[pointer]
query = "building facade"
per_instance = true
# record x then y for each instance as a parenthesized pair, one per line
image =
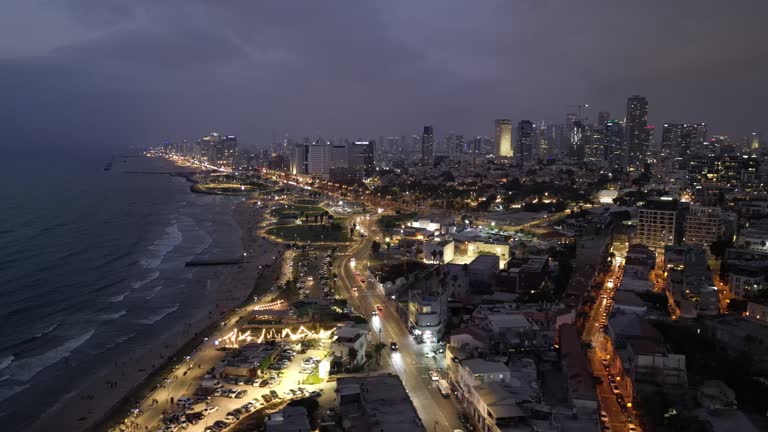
(503, 143)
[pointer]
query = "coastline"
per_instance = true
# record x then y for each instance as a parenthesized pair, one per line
(97, 405)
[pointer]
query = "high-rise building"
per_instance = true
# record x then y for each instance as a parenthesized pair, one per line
(614, 150)
(504, 138)
(603, 117)
(657, 223)
(458, 142)
(319, 160)
(362, 157)
(545, 140)
(311, 159)
(428, 146)
(671, 139)
(636, 130)
(524, 139)
(577, 139)
(339, 156)
(594, 141)
(703, 225)
(568, 144)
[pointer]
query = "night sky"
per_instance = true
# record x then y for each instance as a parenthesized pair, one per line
(116, 72)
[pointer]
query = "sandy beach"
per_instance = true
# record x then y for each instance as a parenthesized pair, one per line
(117, 389)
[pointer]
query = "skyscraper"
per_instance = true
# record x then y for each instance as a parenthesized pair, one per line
(361, 157)
(613, 144)
(428, 146)
(504, 138)
(524, 141)
(636, 129)
(603, 117)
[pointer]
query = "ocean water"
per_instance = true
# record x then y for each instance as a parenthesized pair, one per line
(92, 267)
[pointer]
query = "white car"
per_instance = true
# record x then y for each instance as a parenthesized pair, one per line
(429, 354)
(209, 409)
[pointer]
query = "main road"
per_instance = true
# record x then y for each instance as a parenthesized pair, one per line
(409, 361)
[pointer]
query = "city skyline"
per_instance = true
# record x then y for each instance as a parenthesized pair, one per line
(150, 72)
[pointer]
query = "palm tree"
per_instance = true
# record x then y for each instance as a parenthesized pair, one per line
(377, 349)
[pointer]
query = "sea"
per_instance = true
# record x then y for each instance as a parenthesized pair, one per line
(92, 266)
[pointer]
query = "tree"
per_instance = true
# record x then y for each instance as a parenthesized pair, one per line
(718, 247)
(377, 349)
(375, 246)
(434, 254)
(352, 356)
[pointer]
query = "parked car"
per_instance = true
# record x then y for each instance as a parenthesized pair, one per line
(267, 398)
(209, 410)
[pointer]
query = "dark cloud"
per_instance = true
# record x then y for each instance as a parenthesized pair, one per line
(262, 69)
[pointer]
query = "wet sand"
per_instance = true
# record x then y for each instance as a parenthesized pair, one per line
(115, 389)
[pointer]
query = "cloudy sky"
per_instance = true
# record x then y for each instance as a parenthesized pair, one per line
(141, 71)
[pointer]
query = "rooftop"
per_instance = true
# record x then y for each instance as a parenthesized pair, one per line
(377, 403)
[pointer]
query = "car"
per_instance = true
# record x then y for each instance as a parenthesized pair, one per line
(234, 414)
(315, 394)
(603, 416)
(331, 412)
(631, 428)
(615, 388)
(429, 354)
(223, 423)
(354, 289)
(274, 394)
(374, 313)
(267, 398)
(209, 410)
(379, 308)
(434, 375)
(263, 383)
(362, 280)
(440, 351)
(249, 381)
(393, 345)
(241, 394)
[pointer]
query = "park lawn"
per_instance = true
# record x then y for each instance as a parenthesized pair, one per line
(309, 210)
(307, 201)
(310, 232)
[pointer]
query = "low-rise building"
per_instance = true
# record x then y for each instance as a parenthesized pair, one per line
(350, 344)
(438, 251)
(580, 382)
(703, 225)
(754, 237)
(427, 313)
(376, 403)
(288, 419)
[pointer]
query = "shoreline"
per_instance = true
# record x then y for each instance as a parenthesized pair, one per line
(97, 405)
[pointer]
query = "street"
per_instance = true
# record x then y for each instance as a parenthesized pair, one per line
(409, 362)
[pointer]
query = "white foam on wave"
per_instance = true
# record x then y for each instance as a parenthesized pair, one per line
(119, 297)
(115, 315)
(6, 392)
(24, 369)
(154, 292)
(50, 328)
(152, 276)
(159, 315)
(167, 242)
(5, 361)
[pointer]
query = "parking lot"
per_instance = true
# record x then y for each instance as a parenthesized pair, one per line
(221, 401)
